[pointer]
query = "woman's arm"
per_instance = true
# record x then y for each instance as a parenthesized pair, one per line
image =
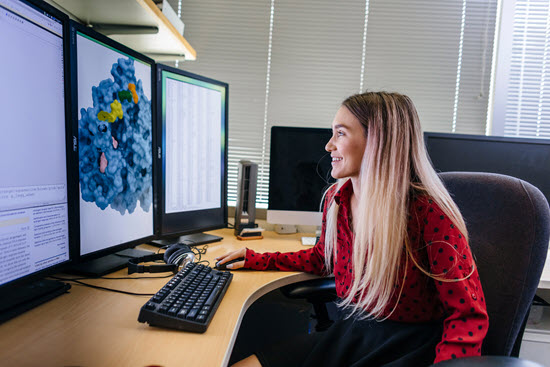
(310, 261)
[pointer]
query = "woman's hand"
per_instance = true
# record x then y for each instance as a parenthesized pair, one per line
(238, 254)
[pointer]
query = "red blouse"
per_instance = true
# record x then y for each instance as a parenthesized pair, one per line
(439, 248)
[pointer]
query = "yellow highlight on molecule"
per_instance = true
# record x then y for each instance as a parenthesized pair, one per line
(116, 111)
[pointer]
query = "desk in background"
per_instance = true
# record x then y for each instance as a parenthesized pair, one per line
(90, 327)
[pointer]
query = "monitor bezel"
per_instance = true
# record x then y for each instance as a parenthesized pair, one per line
(167, 223)
(504, 139)
(72, 181)
(487, 138)
(79, 28)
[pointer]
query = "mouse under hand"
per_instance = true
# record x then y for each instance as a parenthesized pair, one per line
(228, 265)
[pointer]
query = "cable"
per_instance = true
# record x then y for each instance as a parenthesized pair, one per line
(105, 288)
(114, 278)
(198, 252)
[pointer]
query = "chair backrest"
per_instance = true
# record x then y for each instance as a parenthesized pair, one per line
(508, 223)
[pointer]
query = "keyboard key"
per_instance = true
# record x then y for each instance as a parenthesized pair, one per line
(183, 312)
(191, 315)
(213, 296)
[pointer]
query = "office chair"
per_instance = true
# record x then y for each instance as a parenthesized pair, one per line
(508, 222)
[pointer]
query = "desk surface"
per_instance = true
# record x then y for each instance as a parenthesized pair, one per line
(90, 327)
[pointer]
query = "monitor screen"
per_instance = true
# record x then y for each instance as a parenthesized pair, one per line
(193, 141)
(115, 141)
(299, 174)
(527, 159)
(34, 186)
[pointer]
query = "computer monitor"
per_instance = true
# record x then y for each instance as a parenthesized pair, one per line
(524, 158)
(113, 121)
(192, 156)
(35, 185)
(299, 174)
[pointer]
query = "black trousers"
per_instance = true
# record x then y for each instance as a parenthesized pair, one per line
(359, 343)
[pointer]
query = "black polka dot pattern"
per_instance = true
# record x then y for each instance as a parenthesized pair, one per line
(439, 248)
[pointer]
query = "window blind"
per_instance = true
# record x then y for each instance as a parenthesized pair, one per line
(438, 53)
(476, 61)
(291, 63)
(315, 65)
(522, 96)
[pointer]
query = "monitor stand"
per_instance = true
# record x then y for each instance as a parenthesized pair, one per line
(108, 264)
(23, 298)
(194, 239)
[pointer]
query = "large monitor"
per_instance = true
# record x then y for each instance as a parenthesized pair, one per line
(35, 184)
(524, 158)
(192, 156)
(112, 89)
(299, 174)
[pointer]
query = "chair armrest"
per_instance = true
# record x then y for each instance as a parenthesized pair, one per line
(487, 361)
(314, 290)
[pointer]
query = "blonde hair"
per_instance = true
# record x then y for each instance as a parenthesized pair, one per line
(394, 165)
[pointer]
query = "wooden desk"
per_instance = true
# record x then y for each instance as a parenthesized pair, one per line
(89, 327)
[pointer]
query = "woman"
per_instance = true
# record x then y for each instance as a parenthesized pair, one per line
(396, 244)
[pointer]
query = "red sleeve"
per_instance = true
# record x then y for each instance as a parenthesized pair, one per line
(311, 260)
(466, 321)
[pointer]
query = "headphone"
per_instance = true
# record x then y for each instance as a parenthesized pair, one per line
(175, 257)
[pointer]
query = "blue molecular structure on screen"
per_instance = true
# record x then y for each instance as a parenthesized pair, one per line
(116, 143)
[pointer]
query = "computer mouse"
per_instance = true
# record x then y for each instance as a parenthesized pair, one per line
(224, 265)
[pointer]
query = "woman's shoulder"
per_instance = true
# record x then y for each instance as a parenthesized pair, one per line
(329, 194)
(421, 200)
(333, 190)
(425, 205)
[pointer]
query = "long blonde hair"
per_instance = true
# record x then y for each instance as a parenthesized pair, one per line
(394, 165)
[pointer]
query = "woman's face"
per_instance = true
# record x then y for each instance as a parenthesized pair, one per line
(347, 145)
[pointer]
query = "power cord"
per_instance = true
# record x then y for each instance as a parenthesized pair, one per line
(105, 288)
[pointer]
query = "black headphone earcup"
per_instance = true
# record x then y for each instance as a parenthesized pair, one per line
(169, 251)
(175, 254)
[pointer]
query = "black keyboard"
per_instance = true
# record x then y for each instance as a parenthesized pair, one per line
(189, 300)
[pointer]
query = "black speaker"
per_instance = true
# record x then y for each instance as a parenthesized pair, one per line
(245, 208)
(175, 257)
